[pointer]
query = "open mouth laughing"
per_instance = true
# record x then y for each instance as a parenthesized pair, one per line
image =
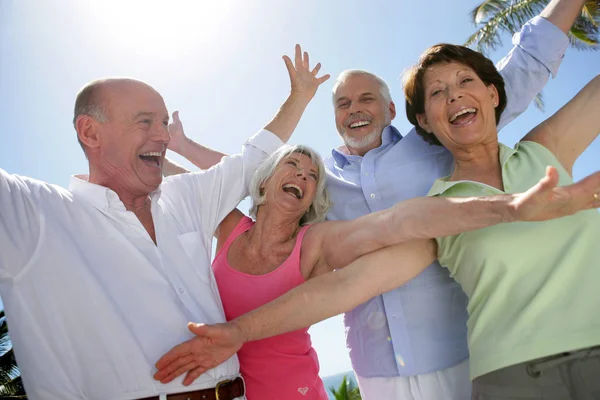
(463, 116)
(151, 158)
(293, 190)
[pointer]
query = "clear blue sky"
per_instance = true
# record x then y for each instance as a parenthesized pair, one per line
(219, 63)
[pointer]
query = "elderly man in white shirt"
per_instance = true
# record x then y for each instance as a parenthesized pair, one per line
(100, 280)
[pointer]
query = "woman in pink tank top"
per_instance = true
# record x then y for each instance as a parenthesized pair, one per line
(287, 244)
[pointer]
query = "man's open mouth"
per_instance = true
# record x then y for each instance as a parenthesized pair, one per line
(151, 158)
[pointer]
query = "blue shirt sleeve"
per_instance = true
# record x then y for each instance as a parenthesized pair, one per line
(538, 52)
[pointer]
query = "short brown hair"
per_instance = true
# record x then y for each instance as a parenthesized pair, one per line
(414, 92)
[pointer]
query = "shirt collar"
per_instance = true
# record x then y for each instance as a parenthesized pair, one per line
(442, 184)
(99, 196)
(390, 134)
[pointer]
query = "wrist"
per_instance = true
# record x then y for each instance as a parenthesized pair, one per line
(300, 98)
(241, 333)
(509, 208)
(182, 147)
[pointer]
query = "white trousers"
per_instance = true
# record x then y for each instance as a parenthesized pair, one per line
(449, 384)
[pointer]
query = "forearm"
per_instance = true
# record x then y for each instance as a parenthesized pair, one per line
(170, 167)
(563, 13)
(432, 217)
(201, 156)
(288, 116)
(339, 291)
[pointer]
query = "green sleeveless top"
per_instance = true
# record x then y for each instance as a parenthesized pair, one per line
(533, 287)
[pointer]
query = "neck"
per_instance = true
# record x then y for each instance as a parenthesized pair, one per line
(134, 201)
(272, 229)
(478, 163)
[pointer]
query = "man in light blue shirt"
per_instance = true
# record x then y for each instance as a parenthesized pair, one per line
(411, 343)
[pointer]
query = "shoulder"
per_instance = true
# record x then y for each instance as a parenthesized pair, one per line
(228, 225)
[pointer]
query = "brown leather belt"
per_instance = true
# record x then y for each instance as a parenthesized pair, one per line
(225, 390)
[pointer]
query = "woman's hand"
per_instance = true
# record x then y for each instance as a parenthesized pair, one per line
(213, 345)
(304, 81)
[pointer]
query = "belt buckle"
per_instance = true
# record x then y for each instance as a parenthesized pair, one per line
(222, 383)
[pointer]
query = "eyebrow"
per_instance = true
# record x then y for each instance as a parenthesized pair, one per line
(298, 161)
(361, 95)
(457, 73)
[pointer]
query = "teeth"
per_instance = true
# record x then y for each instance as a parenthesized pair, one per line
(291, 185)
(359, 123)
(461, 112)
(151, 154)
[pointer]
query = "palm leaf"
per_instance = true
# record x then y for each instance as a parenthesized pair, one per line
(13, 389)
(500, 16)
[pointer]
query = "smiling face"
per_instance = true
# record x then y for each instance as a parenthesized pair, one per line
(293, 185)
(127, 150)
(361, 112)
(459, 106)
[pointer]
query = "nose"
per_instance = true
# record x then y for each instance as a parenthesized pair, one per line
(160, 133)
(454, 94)
(301, 173)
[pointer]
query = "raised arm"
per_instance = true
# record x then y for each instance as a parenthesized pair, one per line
(573, 128)
(201, 156)
(304, 84)
(313, 301)
(538, 52)
(430, 217)
(215, 192)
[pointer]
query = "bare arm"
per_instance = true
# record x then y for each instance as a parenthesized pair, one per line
(573, 128)
(430, 217)
(563, 13)
(313, 301)
(201, 156)
(304, 85)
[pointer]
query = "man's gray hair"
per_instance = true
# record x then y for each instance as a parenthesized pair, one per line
(89, 102)
(320, 205)
(383, 87)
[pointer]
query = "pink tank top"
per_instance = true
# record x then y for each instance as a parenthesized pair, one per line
(280, 367)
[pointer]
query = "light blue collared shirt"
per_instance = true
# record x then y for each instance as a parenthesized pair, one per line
(421, 327)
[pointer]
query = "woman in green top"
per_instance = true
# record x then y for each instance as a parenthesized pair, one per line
(533, 288)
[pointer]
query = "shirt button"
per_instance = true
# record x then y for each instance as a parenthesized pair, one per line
(366, 174)
(372, 195)
(181, 290)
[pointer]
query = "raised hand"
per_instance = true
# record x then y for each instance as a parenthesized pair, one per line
(177, 135)
(212, 345)
(304, 81)
(545, 200)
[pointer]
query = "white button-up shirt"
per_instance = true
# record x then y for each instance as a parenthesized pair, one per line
(92, 303)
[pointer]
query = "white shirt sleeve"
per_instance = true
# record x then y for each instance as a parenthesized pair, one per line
(538, 51)
(20, 222)
(214, 193)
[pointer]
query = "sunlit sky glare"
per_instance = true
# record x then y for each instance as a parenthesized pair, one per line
(219, 63)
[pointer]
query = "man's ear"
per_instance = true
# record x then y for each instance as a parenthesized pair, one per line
(422, 119)
(87, 131)
(392, 109)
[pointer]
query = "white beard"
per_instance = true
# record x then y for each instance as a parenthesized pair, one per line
(366, 141)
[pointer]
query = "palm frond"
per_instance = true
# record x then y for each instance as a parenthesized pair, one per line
(591, 12)
(538, 101)
(584, 34)
(509, 19)
(486, 10)
(13, 389)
